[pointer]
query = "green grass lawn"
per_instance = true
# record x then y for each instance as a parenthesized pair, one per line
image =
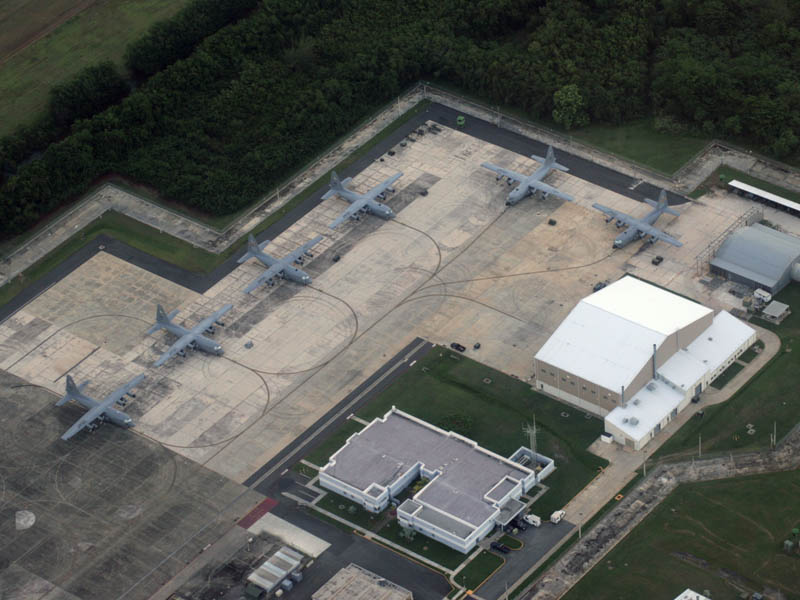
(638, 141)
(479, 570)
(722, 380)
(424, 546)
(354, 513)
(767, 400)
(495, 414)
(751, 352)
(511, 542)
(304, 470)
(320, 455)
(100, 32)
(701, 532)
(724, 174)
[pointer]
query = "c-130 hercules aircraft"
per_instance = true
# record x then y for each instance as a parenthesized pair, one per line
(99, 412)
(278, 267)
(639, 228)
(188, 338)
(361, 203)
(529, 184)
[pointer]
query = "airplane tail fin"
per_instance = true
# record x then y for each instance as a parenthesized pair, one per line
(662, 204)
(162, 319)
(550, 160)
(72, 392)
(336, 183)
(252, 249)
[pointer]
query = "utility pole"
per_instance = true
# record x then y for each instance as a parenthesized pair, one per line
(531, 431)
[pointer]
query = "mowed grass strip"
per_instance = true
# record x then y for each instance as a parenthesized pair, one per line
(704, 536)
(725, 377)
(452, 390)
(442, 555)
(479, 570)
(768, 400)
(100, 32)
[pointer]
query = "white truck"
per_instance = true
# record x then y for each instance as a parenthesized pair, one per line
(557, 516)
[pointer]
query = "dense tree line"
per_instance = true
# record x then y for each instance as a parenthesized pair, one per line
(231, 116)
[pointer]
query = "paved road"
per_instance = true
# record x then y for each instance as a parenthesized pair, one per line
(537, 542)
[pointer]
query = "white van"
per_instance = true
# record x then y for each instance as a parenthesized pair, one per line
(532, 519)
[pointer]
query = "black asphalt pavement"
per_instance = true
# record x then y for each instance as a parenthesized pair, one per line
(537, 542)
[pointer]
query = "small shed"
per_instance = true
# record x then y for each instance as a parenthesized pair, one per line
(776, 311)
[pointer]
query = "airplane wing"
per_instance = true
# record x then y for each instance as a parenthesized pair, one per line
(549, 189)
(82, 422)
(658, 234)
(208, 321)
(621, 216)
(382, 187)
(264, 277)
(504, 172)
(118, 393)
(298, 252)
(349, 212)
(175, 348)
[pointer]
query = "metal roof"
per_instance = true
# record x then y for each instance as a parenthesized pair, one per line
(608, 337)
(764, 194)
(758, 253)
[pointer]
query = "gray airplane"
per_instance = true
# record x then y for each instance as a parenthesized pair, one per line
(188, 338)
(361, 203)
(278, 267)
(529, 184)
(99, 412)
(638, 228)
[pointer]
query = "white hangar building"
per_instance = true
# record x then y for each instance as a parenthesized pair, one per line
(637, 354)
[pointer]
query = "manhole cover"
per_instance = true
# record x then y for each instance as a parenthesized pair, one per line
(565, 414)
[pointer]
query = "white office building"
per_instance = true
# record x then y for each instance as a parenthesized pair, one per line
(470, 489)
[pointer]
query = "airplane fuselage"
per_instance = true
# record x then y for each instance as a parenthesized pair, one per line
(112, 415)
(632, 234)
(523, 190)
(201, 342)
(371, 206)
(289, 271)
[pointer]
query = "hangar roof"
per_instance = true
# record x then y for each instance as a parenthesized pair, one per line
(758, 253)
(609, 336)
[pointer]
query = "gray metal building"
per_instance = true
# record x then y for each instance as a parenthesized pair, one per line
(760, 257)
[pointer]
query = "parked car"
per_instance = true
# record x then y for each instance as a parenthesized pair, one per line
(599, 286)
(520, 524)
(657, 260)
(457, 346)
(500, 547)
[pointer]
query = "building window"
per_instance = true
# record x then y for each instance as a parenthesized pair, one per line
(563, 378)
(552, 374)
(594, 391)
(584, 387)
(572, 383)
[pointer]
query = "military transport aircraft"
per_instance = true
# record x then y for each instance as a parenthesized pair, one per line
(278, 267)
(361, 203)
(99, 412)
(188, 338)
(529, 184)
(638, 228)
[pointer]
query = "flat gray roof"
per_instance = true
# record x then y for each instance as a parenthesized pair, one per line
(385, 450)
(775, 309)
(758, 253)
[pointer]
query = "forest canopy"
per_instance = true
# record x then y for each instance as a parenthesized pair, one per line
(230, 110)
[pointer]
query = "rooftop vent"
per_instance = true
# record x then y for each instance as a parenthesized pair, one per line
(634, 421)
(651, 386)
(636, 402)
(625, 420)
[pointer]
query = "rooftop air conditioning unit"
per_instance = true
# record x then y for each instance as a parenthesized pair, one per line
(636, 402)
(634, 421)
(651, 386)
(625, 420)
